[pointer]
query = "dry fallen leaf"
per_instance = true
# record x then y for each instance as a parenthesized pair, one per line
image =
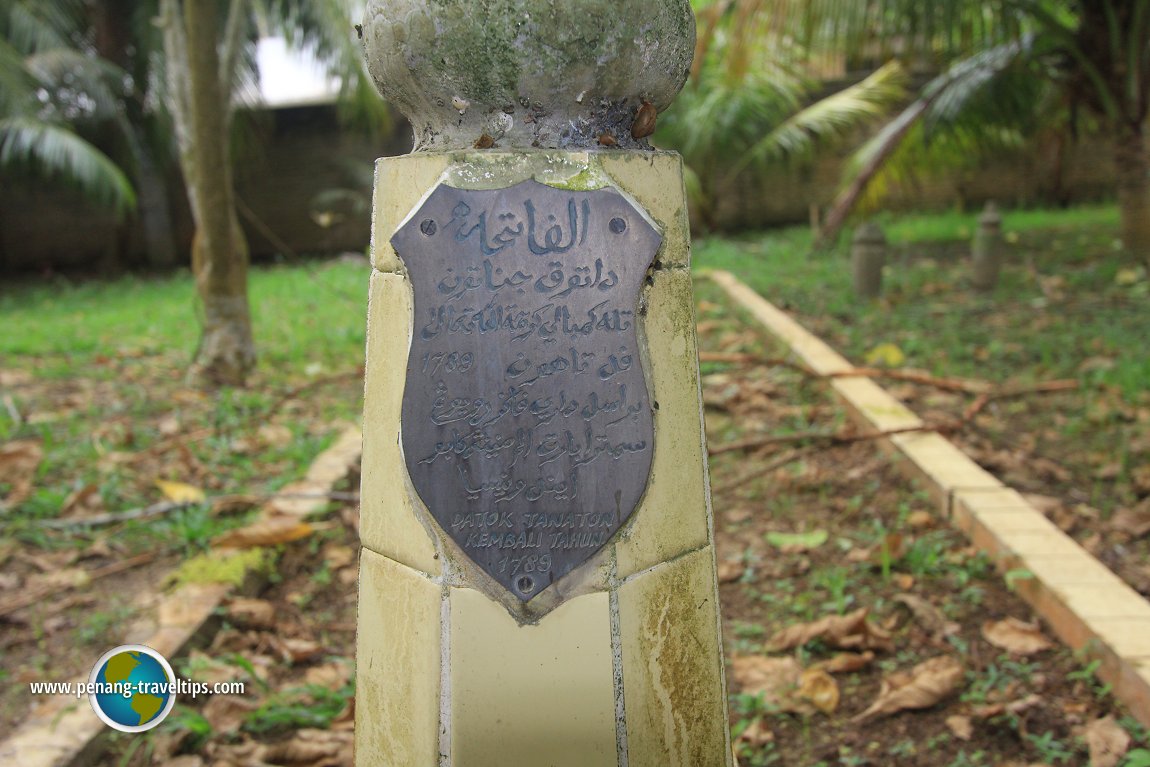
(187, 760)
(960, 727)
(1015, 636)
(82, 502)
(846, 662)
(757, 734)
(226, 713)
(252, 613)
(848, 632)
(773, 678)
(208, 670)
(1107, 742)
(19, 460)
(784, 685)
(920, 519)
(730, 570)
(234, 504)
(928, 616)
(988, 710)
(315, 748)
(180, 492)
(337, 556)
(929, 682)
(820, 688)
(1135, 521)
(332, 675)
(266, 532)
(299, 650)
(275, 435)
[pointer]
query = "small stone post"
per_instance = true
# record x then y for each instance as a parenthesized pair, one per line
(537, 581)
(868, 256)
(986, 250)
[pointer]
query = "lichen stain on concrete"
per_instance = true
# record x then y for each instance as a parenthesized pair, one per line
(395, 722)
(545, 73)
(680, 682)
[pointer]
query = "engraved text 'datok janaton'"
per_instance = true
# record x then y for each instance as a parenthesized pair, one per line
(527, 427)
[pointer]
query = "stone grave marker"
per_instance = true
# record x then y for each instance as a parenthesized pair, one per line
(537, 581)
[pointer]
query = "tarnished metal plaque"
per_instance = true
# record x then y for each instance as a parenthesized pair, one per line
(527, 426)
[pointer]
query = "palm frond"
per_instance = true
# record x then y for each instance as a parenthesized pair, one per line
(100, 84)
(832, 116)
(56, 150)
(36, 26)
(945, 103)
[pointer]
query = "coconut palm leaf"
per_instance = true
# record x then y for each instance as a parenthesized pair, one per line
(832, 116)
(56, 149)
(964, 104)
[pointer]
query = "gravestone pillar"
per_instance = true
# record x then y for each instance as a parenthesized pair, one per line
(986, 250)
(537, 582)
(868, 257)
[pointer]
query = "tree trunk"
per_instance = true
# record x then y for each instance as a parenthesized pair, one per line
(1133, 174)
(219, 254)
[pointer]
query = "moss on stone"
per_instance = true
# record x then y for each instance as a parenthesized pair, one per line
(224, 566)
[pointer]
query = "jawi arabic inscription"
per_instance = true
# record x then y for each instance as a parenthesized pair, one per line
(527, 425)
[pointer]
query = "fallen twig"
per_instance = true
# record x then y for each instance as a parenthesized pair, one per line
(848, 438)
(13, 411)
(726, 487)
(946, 384)
(34, 595)
(825, 439)
(166, 507)
(291, 394)
(963, 385)
(155, 510)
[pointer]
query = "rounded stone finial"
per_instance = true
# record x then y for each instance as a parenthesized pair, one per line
(556, 74)
(869, 233)
(990, 218)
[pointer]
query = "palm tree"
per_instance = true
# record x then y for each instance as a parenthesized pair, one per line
(750, 100)
(66, 62)
(49, 85)
(206, 45)
(1095, 52)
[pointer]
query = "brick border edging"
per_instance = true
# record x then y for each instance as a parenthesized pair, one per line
(62, 730)
(1088, 607)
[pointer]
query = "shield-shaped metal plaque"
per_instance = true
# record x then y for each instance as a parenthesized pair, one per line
(526, 423)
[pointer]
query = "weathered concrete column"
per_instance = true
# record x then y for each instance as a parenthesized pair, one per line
(986, 250)
(537, 582)
(868, 257)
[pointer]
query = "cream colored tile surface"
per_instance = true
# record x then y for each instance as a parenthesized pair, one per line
(531, 695)
(1089, 601)
(397, 666)
(388, 523)
(400, 183)
(1128, 637)
(943, 463)
(655, 181)
(672, 666)
(881, 410)
(672, 517)
(820, 357)
(1073, 569)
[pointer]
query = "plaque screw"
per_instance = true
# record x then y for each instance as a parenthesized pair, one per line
(428, 227)
(526, 584)
(618, 225)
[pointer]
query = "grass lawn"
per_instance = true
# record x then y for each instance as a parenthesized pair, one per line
(1069, 305)
(91, 382)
